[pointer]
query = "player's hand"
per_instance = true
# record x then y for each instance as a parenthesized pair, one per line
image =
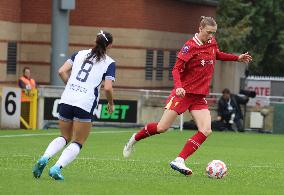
(110, 107)
(180, 92)
(218, 118)
(245, 58)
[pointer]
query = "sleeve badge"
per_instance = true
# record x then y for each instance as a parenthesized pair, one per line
(185, 49)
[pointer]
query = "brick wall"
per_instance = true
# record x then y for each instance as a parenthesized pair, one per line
(10, 10)
(37, 11)
(137, 25)
(165, 15)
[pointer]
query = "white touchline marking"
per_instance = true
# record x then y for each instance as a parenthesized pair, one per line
(47, 134)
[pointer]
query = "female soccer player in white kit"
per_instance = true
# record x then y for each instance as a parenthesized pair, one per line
(78, 102)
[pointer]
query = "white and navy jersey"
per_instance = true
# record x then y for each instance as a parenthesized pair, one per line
(83, 87)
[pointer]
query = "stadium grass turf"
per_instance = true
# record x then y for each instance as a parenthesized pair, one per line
(255, 164)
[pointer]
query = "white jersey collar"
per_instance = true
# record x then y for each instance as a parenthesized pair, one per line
(197, 40)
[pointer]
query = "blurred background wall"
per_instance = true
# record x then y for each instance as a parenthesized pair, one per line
(147, 35)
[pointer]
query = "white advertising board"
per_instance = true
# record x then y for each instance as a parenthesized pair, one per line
(262, 89)
(10, 108)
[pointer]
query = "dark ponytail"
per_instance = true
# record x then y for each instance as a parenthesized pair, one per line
(102, 41)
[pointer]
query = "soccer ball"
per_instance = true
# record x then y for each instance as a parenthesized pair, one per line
(216, 169)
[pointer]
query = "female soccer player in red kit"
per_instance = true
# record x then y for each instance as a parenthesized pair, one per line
(192, 74)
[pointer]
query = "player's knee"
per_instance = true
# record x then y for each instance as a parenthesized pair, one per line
(162, 128)
(206, 132)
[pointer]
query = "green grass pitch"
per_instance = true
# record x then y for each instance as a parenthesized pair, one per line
(255, 164)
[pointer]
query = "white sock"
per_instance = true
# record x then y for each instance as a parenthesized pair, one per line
(68, 155)
(56, 145)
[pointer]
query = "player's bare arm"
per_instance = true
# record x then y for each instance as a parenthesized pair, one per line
(64, 71)
(109, 95)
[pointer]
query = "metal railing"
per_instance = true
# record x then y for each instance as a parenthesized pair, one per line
(158, 97)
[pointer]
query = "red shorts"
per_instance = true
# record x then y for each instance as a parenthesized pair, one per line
(188, 102)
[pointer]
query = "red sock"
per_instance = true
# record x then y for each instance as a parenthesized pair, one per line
(192, 145)
(149, 130)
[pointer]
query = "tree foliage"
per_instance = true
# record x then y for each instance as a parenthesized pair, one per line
(256, 26)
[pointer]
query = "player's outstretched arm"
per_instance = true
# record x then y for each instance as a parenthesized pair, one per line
(245, 58)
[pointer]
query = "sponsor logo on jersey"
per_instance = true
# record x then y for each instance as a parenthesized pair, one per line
(202, 62)
(206, 62)
(78, 88)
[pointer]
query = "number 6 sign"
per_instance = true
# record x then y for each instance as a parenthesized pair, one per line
(10, 108)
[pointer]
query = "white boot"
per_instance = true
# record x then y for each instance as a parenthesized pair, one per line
(178, 165)
(128, 148)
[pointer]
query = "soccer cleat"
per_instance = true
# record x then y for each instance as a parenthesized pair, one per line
(178, 165)
(39, 166)
(128, 148)
(55, 173)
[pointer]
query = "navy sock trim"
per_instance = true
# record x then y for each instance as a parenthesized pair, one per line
(65, 140)
(80, 145)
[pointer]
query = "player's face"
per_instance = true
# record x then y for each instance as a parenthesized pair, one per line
(206, 33)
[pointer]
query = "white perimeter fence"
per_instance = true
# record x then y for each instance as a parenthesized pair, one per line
(150, 105)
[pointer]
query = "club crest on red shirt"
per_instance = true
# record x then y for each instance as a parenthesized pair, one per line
(185, 49)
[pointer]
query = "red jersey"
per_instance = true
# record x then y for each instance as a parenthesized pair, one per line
(194, 67)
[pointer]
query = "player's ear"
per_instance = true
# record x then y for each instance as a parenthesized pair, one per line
(200, 28)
